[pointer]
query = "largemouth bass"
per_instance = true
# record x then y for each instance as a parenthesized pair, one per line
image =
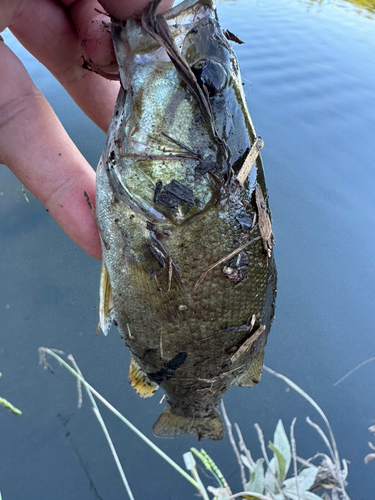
(188, 270)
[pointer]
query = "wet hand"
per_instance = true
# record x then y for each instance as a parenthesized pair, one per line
(65, 36)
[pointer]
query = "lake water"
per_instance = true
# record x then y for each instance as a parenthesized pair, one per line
(309, 72)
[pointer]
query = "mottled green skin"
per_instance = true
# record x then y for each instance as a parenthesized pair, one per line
(154, 325)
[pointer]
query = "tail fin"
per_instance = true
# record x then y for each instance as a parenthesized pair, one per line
(169, 425)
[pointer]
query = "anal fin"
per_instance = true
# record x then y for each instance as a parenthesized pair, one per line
(253, 374)
(140, 382)
(169, 425)
(106, 312)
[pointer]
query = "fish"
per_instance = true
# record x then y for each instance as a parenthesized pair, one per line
(188, 273)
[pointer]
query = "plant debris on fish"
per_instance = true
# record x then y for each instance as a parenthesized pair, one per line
(188, 269)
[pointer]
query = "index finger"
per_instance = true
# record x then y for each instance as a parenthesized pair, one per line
(127, 8)
(35, 146)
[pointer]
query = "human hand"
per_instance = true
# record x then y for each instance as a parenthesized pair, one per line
(33, 143)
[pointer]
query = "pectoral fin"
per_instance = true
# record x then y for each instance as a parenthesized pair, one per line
(169, 425)
(140, 382)
(253, 374)
(106, 312)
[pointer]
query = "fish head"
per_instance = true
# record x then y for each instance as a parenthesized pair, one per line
(184, 110)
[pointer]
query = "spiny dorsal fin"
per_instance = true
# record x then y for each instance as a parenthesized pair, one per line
(169, 425)
(106, 312)
(140, 382)
(253, 374)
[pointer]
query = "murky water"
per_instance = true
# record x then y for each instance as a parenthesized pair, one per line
(309, 72)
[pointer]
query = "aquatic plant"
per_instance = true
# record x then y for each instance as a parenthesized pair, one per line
(55, 354)
(371, 456)
(6, 404)
(10, 407)
(262, 479)
(273, 483)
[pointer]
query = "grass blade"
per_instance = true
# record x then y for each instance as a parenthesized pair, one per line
(354, 370)
(190, 464)
(228, 425)
(160, 452)
(262, 443)
(320, 431)
(301, 392)
(243, 446)
(294, 453)
(10, 407)
(308, 398)
(103, 426)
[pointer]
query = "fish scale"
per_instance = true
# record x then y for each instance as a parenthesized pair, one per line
(193, 303)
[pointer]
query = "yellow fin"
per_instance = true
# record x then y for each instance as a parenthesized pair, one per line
(169, 425)
(140, 382)
(106, 312)
(253, 374)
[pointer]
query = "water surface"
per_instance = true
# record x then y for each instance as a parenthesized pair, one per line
(309, 73)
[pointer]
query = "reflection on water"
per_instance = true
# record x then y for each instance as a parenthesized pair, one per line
(363, 5)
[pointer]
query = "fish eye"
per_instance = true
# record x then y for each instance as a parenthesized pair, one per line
(210, 73)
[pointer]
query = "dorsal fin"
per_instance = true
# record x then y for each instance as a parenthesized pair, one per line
(169, 425)
(253, 374)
